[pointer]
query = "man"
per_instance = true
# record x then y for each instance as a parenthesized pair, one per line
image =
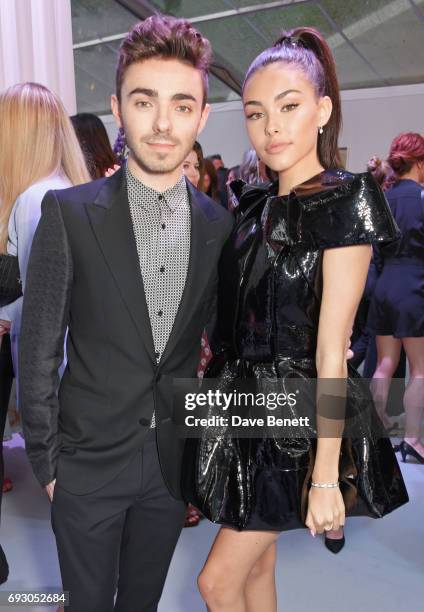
(129, 265)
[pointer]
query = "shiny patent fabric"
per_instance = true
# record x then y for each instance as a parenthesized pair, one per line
(268, 313)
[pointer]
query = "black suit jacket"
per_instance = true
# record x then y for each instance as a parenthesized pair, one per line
(84, 275)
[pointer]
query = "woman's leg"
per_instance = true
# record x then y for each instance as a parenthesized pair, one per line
(388, 354)
(239, 573)
(261, 593)
(413, 399)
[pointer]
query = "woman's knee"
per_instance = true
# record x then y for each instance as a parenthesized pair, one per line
(218, 588)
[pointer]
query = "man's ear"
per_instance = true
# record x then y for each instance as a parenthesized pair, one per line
(114, 103)
(204, 118)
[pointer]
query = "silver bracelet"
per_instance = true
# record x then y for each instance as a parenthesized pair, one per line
(325, 485)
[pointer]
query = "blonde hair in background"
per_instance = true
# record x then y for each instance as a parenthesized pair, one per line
(36, 140)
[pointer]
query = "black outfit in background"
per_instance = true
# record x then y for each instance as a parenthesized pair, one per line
(6, 379)
(365, 349)
(117, 495)
(222, 174)
(268, 314)
(397, 308)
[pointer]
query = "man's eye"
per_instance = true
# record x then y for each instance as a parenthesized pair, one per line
(184, 109)
(254, 116)
(142, 103)
(289, 107)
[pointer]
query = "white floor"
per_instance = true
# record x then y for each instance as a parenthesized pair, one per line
(380, 568)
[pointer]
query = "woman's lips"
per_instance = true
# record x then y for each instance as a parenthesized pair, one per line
(277, 147)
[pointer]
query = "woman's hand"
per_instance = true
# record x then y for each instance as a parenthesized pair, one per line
(326, 510)
(111, 171)
(4, 327)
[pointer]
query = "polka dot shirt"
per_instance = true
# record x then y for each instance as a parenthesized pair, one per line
(162, 226)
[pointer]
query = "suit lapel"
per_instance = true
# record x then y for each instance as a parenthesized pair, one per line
(112, 224)
(202, 244)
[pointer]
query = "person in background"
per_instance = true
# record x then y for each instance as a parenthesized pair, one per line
(6, 378)
(38, 152)
(193, 170)
(363, 341)
(95, 145)
(217, 161)
(222, 174)
(210, 181)
(46, 155)
(193, 166)
(233, 175)
(396, 314)
(252, 170)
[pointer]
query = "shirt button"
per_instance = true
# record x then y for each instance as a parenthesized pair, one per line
(162, 269)
(160, 198)
(157, 354)
(160, 313)
(163, 225)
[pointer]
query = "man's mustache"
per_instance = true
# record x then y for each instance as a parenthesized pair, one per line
(163, 140)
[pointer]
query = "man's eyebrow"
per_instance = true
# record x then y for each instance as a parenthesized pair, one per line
(153, 93)
(184, 96)
(278, 97)
(150, 93)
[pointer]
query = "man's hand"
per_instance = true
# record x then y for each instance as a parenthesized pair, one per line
(4, 327)
(50, 489)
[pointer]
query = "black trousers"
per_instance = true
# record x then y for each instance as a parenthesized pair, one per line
(120, 537)
(6, 379)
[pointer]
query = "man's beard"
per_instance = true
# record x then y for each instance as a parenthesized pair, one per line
(157, 162)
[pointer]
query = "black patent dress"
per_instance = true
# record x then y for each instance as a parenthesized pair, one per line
(268, 311)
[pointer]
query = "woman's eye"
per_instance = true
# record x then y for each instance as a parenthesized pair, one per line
(289, 107)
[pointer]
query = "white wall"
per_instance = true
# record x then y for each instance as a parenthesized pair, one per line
(371, 119)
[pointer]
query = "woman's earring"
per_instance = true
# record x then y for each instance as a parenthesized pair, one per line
(321, 129)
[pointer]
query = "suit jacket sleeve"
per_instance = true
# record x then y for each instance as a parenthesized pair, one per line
(44, 322)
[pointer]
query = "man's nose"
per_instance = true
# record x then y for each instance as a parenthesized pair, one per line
(162, 121)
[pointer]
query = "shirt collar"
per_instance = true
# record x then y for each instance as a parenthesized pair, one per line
(173, 196)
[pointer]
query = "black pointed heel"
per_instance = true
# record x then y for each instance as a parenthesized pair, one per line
(406, 449)
(334, 546)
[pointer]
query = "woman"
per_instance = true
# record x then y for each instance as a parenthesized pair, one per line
(38, 152)
(397, 309)
(193, 166)
(94, 142)
(291, 278)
